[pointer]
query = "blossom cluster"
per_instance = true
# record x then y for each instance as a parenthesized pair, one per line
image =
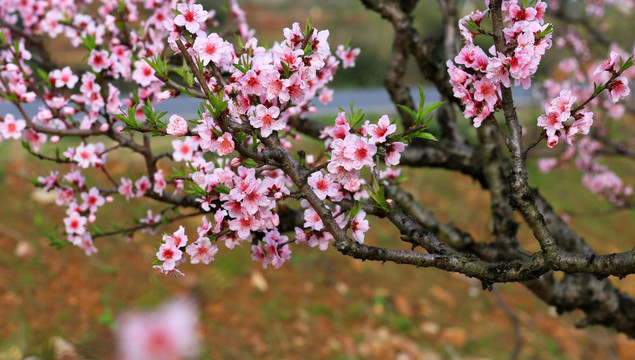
(557, 112)
(559, 109)
(585, 154)
(598, 178)
(261, 87)
(477, 77)
(264, 89)
(69, 189)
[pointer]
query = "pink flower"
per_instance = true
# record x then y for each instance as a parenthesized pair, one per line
(11, 128)
(326, 95)
(201, 251)
(581, 125)
(472, 57)
(88, 84)
(169, 254)
(88, 155)
(251, 83)
(190, 16)
(321, 240)
(551, 122)
(92, 200)
(359, 225)
(244, 226)
(276, 249)
(457, 75)
(607, 64)
(485, 90)
(557, 112)
(293, 89)
(159, 182)
(497, 70)
(516, 13)
(390, 174)
(258, 254)
(177, 126)
(480, 111)
(178, 238)
(290, 57)
(213, 48)
(562, 104)
(64, 77)
(265, 120)
(142, 185)
(311, 218)
(379, 132)
(223, 145)
(48, 182)
(51, 23)
(171, 332)
(125, 189)
(546, 164)
(144, 73)
(322, 185)
(152, 221)
(75, 224)
(619, 89)
(359, 152)
(86, 243)
(184, 150)
(347, 55)
(34, 139)
(393, 153)
(99, 60)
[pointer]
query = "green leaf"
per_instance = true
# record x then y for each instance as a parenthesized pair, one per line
(193, 188)
(222, 189)
(89, 42)
(355, 116)
(33, 180)
(377, 194)
(242, 68)
(56, 242)
(10, 97)
(627, 64)
(250, 163)
(43, 75)
(96, 230)
(430, 108)
(597, 89)
(148, 110)
(471, 25)
(422, 99)
(423, 135)
(548, 30)
(240, 137)
(129, 120)
(355, 209)
(308, 49)
(218, 104)
(408, 110)
(287, 73)
(307, 29)
(159, 65)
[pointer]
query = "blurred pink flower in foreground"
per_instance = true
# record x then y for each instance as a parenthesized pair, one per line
(169, 332)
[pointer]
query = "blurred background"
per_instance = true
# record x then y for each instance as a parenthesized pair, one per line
(318, 305)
